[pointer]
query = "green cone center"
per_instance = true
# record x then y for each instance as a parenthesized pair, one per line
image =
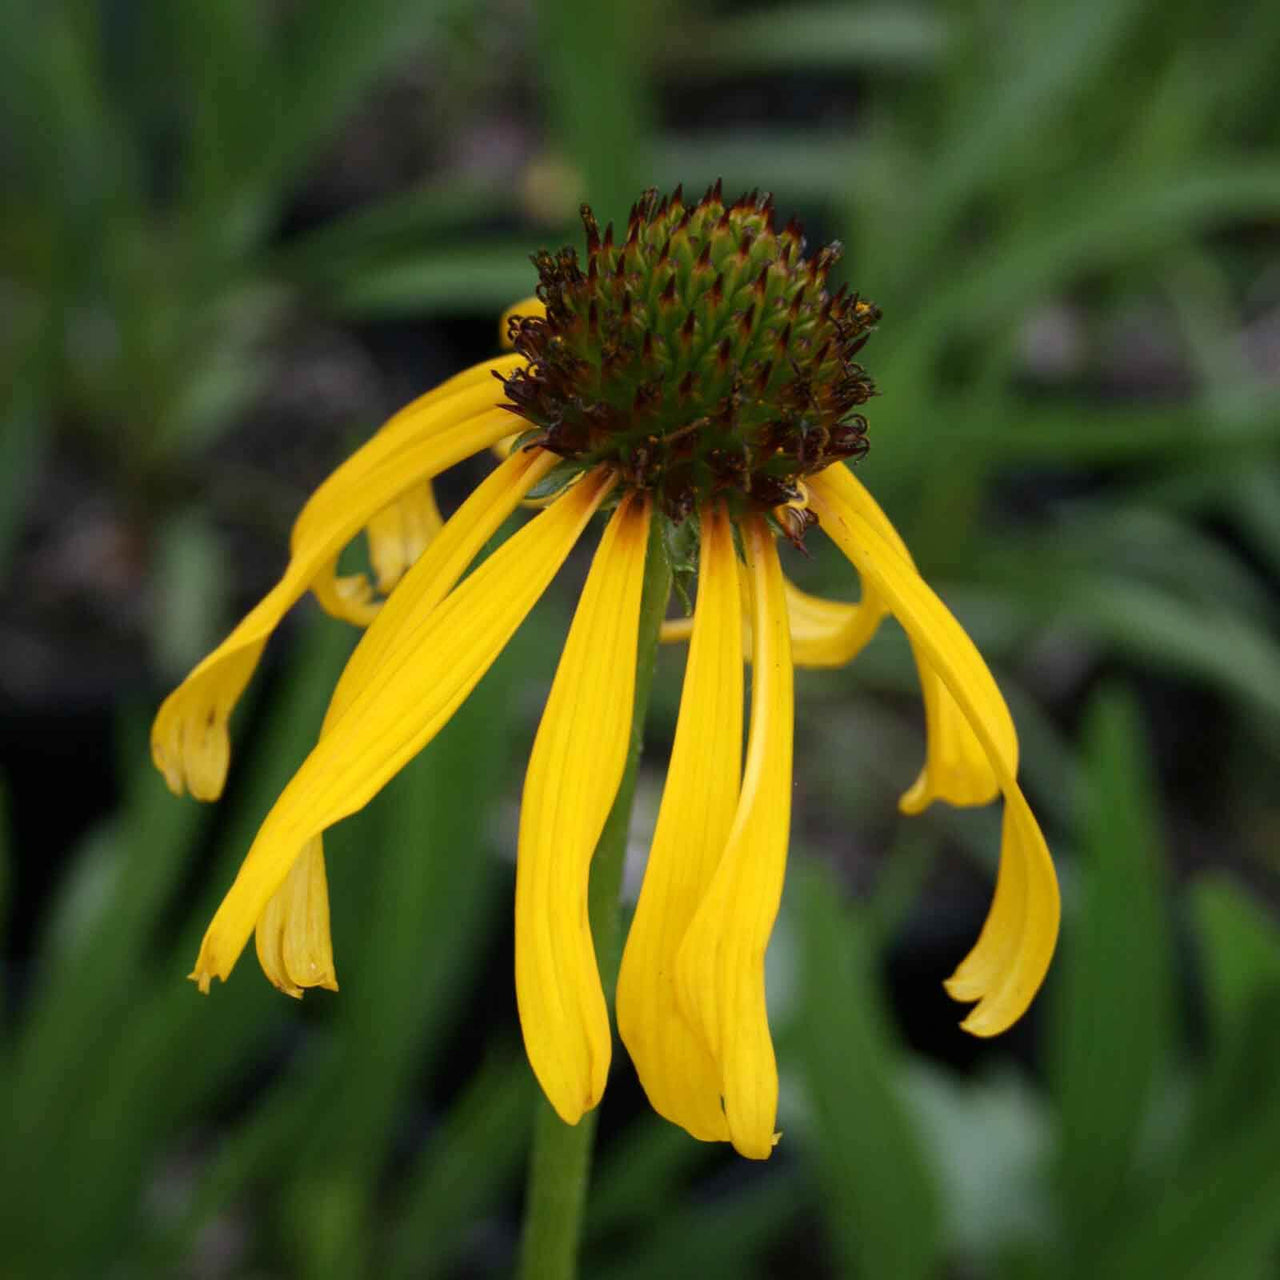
(703, 356)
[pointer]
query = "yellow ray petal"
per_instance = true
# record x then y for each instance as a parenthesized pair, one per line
(824, 633)
(189, 741)
(421, 676)
(1007, 965)
(675, 1067)
(437, 571)
(294, 947)
(474, 391)
(676, 630)
(956, 769)
(350, 598)
(399, 534)
(720, 964)
(574, 770)
(830, 633)
(434, 575)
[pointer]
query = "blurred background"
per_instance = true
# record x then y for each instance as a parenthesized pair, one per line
(234, 236)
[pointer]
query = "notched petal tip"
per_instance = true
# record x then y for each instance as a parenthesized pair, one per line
(212, 960)
(190, 742)
(292, 934)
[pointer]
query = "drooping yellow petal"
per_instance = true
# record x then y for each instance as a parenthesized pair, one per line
(574, 770)
(189, 741)
(824, 633)
(1007, 965)
(421, 675)
(956, 768)
(294, 947)
(414, 514)
(288, 913)
(699, 801)
(720, 964)
(473, 391)
(401, 438)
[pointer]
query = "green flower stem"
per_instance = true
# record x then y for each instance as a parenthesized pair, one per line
(561, 1161)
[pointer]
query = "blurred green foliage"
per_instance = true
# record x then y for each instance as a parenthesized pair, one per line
(1029, 190)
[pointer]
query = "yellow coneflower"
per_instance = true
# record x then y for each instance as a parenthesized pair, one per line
(700, 374)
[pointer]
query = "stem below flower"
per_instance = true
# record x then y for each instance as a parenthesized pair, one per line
(560, 1165)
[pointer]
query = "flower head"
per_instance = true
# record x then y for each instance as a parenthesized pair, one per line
(700, 374)
(701, 358)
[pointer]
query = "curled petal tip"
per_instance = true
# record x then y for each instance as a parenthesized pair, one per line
(190, 744)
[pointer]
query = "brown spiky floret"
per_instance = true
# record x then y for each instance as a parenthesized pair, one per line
(702, 356)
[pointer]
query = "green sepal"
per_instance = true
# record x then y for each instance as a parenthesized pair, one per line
(682, 540)
(556, 481)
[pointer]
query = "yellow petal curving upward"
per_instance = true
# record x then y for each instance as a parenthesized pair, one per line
(699, 801)
(1007, 965)
(420, 676)
(574, 770)
(720, 963)
(289, 914)
(189, 741)
(830, 633)
(824, 633)
(294, 947)
(397, 536)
